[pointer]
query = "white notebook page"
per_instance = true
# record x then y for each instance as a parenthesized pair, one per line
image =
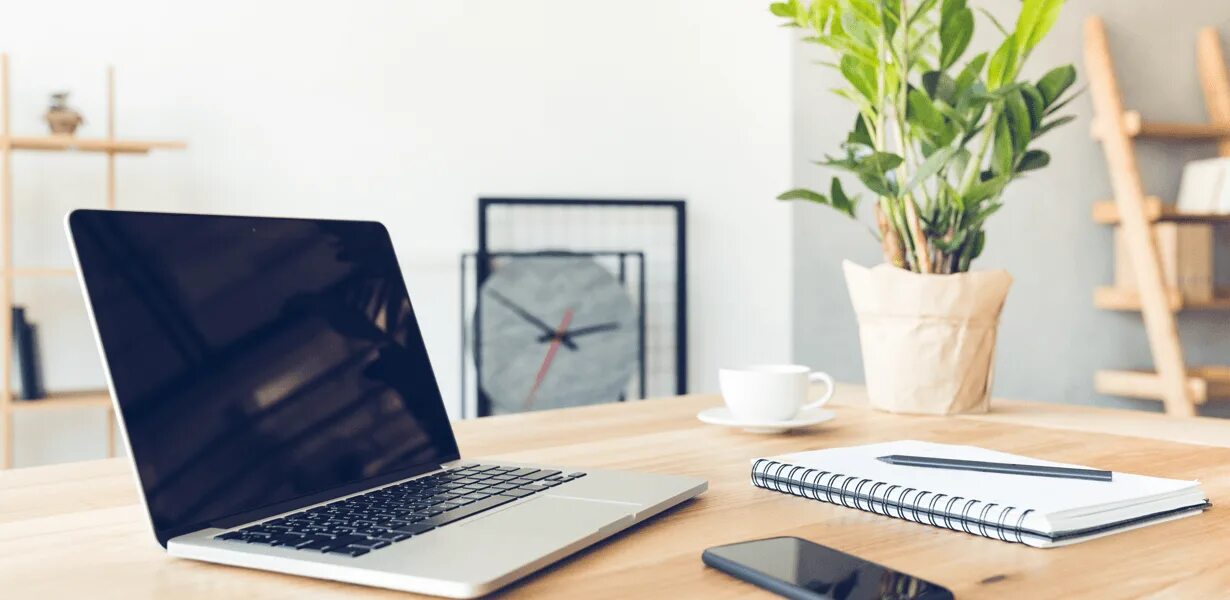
(1047, 495)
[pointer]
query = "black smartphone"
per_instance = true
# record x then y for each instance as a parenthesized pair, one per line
(796, 568)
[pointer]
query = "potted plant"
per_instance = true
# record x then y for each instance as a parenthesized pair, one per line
(937, 138)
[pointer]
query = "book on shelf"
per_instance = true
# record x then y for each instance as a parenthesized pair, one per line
(26, 356)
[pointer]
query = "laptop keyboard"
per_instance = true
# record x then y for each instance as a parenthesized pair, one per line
(359, 524)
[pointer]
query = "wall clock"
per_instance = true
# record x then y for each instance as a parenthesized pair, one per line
(555, 331)
(538, 258)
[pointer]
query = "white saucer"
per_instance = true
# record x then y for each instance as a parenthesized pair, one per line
(720, 415)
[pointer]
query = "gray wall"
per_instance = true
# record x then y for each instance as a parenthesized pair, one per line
(1051, 338)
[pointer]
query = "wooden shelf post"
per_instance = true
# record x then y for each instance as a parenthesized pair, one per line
(6, 264)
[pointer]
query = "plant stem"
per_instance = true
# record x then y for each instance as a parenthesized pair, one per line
(975, 163)
(922, 252)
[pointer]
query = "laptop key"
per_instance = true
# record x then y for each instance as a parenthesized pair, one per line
(467, 511)
(523, 472)
(532, 488)
(518, 493)
(232, 536)
(540, 475)
(414, 528)
(349, 551)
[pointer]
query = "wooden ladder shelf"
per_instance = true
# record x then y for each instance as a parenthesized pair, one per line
(1178, 386)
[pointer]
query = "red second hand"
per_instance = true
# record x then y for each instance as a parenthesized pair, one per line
(546, 363)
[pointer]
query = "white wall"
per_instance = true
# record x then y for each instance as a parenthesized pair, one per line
(406, 111)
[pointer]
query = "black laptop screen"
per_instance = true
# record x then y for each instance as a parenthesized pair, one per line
(258, 363)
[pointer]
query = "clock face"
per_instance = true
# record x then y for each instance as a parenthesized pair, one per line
(554, 331)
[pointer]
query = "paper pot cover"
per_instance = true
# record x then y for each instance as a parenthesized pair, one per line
(928, 341)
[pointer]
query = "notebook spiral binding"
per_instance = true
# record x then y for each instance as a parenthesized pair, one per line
(957, 513)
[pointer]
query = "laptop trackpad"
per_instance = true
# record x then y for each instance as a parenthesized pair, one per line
(548, 517)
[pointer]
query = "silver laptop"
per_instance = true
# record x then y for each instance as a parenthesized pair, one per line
(281, 413)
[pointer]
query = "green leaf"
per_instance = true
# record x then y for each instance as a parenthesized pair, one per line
(1034, 22)
(845, 45)
(1053, 124)
(1018, 120)
(1001, 150)
(860, 29)
(859, 76)
(980, 241)
(840, 200)
(818, 14)
(930, 167)
(940, 86)
(920, 112)
(803, 194)
(985, 189)
(859, 136)
(1002, 67)
(783, 9)
(881, 162)
(970, 73)
(955, 33)
(950, 245)
(1062, 103)
(889, 16)
(1053, 84)
(872, 170)
(994, 21)
(879, 184)
(923, 8)
(1034, 159)
(981, 216)
(1033, 100)
(952, 114)
(950, 8)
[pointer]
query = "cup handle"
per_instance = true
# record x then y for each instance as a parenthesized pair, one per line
(815, 376)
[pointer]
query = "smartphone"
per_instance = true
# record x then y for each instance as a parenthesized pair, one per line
(796, 568)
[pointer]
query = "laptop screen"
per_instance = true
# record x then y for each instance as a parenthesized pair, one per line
(259, 364)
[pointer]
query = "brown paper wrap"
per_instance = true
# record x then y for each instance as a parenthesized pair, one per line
(928, 340)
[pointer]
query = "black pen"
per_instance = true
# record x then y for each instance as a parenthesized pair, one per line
(993, 467)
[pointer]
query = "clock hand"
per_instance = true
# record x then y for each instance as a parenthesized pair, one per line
(573, 333)
(546, 363)
(525, 314)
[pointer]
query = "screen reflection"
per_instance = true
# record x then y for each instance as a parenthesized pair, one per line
(258, 361)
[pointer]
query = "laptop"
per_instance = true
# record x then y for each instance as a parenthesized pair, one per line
(281, 413)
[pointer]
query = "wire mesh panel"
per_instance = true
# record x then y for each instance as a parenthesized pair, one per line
(652, 231)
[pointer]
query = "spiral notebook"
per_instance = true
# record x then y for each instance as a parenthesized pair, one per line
(1039, 511)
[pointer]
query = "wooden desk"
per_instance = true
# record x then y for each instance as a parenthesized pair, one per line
(78, 531)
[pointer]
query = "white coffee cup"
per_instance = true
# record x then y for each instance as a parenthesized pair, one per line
(765, 393)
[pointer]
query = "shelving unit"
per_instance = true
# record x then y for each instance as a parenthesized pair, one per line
(1180, 387)
(9, 273)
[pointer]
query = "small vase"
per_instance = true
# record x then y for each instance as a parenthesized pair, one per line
(60, 118)
(928, 341)
(63, 122)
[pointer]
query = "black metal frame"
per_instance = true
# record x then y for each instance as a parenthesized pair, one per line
(681, 297)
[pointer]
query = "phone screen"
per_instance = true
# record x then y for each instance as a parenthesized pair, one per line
(815, 571)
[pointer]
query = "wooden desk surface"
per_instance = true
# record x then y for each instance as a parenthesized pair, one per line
(77, 530)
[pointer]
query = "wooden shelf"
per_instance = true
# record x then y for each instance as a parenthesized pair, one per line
(1114, 298)
(88, 398)
(61, 143)
(1106, 212)
(44, 272)
(1203, 383)
(1135, 126)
